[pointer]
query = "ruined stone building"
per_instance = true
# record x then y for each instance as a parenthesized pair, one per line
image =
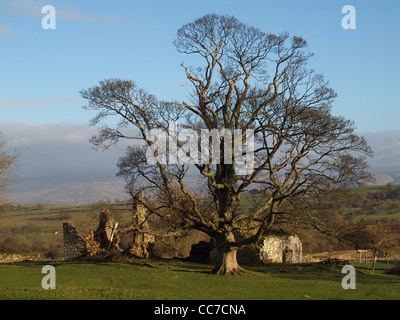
(107, 238)
(137, 241)
(104, 238)
(276, 247)
(281, 248)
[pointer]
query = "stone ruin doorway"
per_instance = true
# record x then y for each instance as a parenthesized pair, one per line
(287, 255)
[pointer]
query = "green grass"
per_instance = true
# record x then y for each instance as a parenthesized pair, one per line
(161, 280)
(360, 190)
(51, 216)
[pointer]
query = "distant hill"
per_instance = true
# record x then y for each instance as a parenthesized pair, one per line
(67, 190)
(77, 190)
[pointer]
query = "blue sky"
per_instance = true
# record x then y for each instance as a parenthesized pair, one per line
(42, 71)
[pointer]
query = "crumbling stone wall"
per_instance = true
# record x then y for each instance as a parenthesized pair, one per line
(106, 235)
(141, 238)
(74, 245)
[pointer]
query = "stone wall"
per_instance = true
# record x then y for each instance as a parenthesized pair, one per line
(142, 241)
(286, 248)
(274, 249)
(74, 245)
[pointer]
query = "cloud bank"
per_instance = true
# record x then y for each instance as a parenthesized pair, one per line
(64, 149)
(386, 147)
(40, 102)
(59, 150)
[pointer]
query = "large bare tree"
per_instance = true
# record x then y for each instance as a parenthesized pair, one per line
(242, 79)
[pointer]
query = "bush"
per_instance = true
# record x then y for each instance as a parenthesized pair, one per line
(54, 252)
(395, 270)
(48, 247)
(15, 244)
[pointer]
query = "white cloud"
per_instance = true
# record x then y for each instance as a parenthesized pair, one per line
(74, 15)
(40, 102)
(59, 150)
(386, 148)
(5, 31)
(64, 11)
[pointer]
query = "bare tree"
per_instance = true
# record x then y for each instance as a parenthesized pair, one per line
(7, 171)
(248, 80)
(378, 238)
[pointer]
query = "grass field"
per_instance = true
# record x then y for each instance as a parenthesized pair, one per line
(166, 280)
(177, 280)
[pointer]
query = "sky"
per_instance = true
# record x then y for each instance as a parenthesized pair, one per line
(43, 70)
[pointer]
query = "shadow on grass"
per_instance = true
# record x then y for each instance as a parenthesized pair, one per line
(305, 271)
(301, 271)
(194, 270)
(80, 261)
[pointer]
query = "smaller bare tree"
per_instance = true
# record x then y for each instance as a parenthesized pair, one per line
(8, 163)
(379, 238)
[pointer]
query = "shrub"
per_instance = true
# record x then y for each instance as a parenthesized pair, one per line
(55, 251)
(15, 244)
(395, 270)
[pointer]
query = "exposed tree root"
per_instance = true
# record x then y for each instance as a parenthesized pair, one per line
(228, 271)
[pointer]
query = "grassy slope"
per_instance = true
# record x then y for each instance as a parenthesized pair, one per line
(142, 280)
(385, 214)
(51, 217)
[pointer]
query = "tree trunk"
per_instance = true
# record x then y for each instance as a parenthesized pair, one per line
(226, 260)
(374, 262)
(227, 264)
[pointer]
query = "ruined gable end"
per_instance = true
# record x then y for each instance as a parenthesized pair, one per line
(74, 245)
